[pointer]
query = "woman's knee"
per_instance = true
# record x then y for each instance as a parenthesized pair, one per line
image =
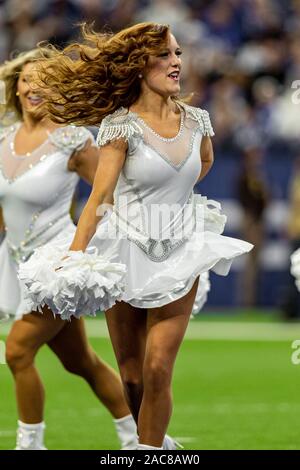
(82, 365)
(18, 355)
(131, 372)
(157, 375)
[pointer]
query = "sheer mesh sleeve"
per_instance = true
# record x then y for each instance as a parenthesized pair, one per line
(4, 131)
(201, 116)
(66, 140)
(71, 138)
(119, 125)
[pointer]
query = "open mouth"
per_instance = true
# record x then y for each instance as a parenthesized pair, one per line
(174, 75)
(34, 100)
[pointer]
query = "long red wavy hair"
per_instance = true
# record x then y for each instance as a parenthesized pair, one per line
(87, 81)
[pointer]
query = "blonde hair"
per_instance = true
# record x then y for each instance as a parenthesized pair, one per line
(89, 80)
(11, 109)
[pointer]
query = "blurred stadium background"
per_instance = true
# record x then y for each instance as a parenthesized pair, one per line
(242, 62)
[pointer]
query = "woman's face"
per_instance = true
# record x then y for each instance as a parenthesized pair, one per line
(30, 95)
(162, 74)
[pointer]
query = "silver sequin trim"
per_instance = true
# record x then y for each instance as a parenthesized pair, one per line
(167, 160)
(119, 125)
(18, 253)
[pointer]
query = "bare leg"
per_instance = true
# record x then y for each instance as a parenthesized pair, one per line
(127, 329)
(68, 340)
(25, 339)
(166, 328)
(146, 345)
(73, 350)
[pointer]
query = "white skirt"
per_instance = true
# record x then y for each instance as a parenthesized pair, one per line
(115, 268)
(13, 303)
(150, 284)
(10, 289)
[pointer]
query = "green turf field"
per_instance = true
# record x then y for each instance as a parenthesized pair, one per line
(234, 388)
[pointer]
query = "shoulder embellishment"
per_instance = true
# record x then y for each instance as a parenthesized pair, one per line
(70, 138)
(119, 125)
(201, 116)
(5, 131)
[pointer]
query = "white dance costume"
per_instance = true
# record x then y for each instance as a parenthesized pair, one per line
(161, 259)
(295, 267)
(36, 192)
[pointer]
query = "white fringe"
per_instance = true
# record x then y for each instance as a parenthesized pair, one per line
(202, 117)
(86, 283)
(119, 125)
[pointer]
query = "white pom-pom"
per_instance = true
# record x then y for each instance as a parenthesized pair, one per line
(209, 215)
(85, 283)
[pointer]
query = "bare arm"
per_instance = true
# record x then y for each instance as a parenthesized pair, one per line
(111, 161)
(206, 155)
(85, 162)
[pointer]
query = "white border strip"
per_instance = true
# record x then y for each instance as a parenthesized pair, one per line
(214, 330)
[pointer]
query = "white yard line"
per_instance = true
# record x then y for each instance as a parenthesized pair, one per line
(7, 433)
(230, 408)
(185, 439)
(217, 330)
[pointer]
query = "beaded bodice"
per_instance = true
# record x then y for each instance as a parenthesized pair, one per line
(156, 183)
(36, 189)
